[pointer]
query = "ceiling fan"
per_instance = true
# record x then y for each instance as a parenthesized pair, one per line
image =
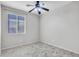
(39, 7)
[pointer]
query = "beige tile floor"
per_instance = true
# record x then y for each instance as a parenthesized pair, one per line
(37, 50)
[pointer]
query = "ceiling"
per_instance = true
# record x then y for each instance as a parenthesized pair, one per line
(51, 5)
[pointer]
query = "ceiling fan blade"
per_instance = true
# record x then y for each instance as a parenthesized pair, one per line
(29, 5)
(39, 12)
(31, 10)
(45, 9)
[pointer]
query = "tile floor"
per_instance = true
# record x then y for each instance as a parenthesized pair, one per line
(37, 50)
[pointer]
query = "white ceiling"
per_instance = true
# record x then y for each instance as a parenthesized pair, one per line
(51, 5)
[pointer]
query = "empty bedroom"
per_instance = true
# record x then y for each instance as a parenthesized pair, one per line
(39, 28)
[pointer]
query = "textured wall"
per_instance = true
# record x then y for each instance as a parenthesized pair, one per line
(61, 27)
(32, 29)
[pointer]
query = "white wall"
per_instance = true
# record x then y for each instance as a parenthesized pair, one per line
(0, 28)
(61, 27)
(13, 40)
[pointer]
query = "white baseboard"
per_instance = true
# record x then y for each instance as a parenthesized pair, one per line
(17, 45)
(60, 47)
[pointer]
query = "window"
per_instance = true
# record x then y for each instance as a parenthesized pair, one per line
(11, 23)
(20, 24)
(15, 24)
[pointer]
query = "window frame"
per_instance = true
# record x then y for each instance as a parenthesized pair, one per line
(17, 24)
